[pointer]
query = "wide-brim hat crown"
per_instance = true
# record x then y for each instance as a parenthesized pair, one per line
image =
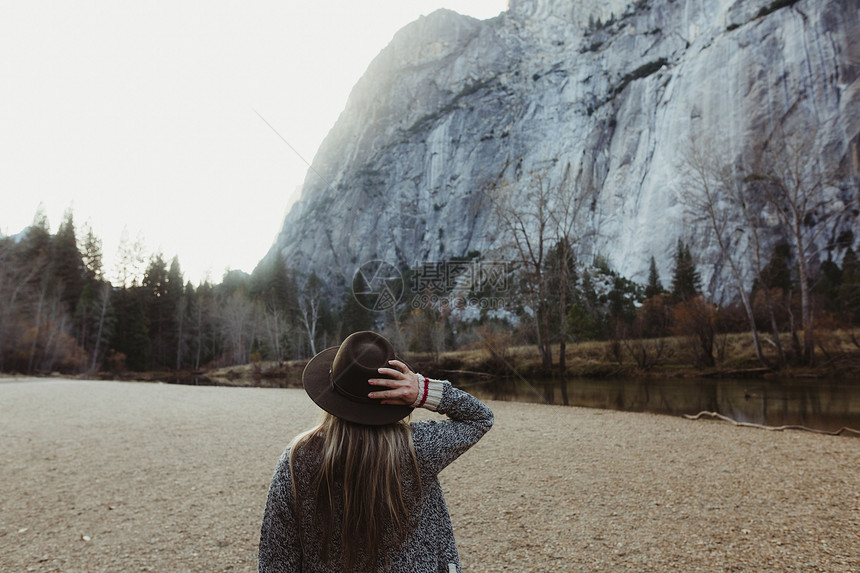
(336, 379)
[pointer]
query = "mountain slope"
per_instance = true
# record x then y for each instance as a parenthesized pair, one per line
(608, 91)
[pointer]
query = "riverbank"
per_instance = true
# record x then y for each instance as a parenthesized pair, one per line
(496, 361)
(113, 476)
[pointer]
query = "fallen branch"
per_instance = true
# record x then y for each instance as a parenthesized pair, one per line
(771, 428)
(469, 373)
(737, 373)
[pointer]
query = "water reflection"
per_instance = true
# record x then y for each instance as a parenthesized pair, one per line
(820, 404)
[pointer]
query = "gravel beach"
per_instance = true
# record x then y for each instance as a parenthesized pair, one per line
(122, 476)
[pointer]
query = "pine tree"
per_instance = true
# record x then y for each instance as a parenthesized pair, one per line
(37, 239)
(584, 319)
(622, 299)
(686, 280)
(777, 273)
(654, 286)
(174, 300)
(272, 283)
(92, 256)
(828, 285)
(159, 314)
(95, 320)
(131, 336)
(93, 312)
(66, 266)
(561, 277)
(232, 282)
(356, 309)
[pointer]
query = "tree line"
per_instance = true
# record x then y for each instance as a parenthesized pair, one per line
(783, 268)
(60, 312)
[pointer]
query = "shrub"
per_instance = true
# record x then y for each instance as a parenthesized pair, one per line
(496, 345)
(694, 320)
(115, 362)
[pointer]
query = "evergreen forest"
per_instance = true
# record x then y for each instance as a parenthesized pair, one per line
(60, 312)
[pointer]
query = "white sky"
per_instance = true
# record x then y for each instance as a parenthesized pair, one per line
(140, 116)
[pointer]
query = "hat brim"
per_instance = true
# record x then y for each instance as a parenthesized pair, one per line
(316, 380)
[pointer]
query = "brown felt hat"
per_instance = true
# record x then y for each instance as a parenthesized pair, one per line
(336, 380)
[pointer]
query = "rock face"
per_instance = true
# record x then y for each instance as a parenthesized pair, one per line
(611, 90)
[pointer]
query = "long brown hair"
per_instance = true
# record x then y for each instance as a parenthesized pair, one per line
(363, 468)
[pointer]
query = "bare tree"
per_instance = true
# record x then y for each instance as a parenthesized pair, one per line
(789, 172)
(425, 328)
(543, 226)
(525, 217)
(708, 195)
(437, 331)
(130, 261)
(202, 328)
(105, 297)
(310, 301)
(48, 339)
(756, 224)
(237, 323)
(17, 278)
(570, 230)
(276, 325)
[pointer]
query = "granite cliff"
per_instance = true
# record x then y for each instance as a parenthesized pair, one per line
(609, 90)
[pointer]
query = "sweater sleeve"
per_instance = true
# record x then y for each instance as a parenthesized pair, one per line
(280, 550)
(438, 443)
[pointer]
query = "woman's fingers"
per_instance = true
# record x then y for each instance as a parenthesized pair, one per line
(397, 395)
(401, 387)
(390, 387)
(395, 375)
(402, 367)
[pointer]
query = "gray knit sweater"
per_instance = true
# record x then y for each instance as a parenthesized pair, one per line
(429, 547)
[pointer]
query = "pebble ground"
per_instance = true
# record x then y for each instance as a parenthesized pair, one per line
(120, 476)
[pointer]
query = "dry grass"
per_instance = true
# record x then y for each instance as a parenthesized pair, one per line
(837, 351)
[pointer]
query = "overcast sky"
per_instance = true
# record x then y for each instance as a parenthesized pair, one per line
(141, 117)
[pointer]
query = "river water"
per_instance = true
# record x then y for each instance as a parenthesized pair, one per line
(821, 404)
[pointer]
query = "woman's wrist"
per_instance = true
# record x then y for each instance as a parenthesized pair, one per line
(423, 390)
(429, 393)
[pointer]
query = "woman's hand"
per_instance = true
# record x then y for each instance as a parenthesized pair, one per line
(401, 387)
